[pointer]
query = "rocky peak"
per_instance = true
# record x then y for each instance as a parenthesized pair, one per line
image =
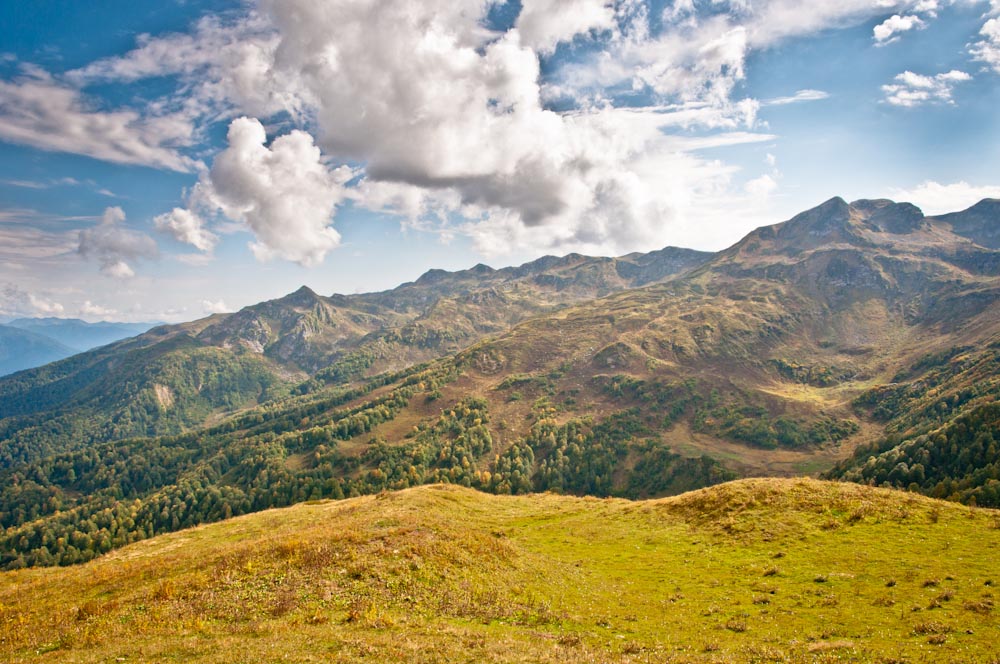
(825, 220)
(887, 216)
(303, 297)
(432, 276)
(829, 223)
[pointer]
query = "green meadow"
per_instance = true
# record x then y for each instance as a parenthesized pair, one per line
(750, 571)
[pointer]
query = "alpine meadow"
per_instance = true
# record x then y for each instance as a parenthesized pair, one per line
(433, 376)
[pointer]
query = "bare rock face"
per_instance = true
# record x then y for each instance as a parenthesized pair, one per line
(253, 334)
(885, 216)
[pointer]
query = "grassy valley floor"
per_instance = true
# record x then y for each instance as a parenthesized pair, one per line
(750, 571)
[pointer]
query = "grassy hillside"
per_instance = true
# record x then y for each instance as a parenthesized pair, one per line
(752, 571)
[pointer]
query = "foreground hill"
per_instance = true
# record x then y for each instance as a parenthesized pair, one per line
(753, 571)
(23, 349)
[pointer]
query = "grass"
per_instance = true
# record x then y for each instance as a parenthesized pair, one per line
(751, 571)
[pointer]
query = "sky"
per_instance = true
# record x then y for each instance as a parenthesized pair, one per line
(162, 161)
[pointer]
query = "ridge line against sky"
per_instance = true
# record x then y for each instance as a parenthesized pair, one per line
(185, 158)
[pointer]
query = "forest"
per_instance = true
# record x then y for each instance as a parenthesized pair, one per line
(70, 507)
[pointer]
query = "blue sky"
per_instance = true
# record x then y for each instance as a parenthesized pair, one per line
(162, 161)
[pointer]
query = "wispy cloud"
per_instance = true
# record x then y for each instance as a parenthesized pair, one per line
(25, 243)
(26, 184)
(37, 111)
(113, 246)
(91, 310)
(800, 96)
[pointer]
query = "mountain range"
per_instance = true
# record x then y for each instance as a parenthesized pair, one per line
(81, 335)
(26, 343)
(22, 349)
(859, 341)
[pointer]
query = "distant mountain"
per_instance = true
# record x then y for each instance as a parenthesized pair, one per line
(174, 377)
(81, 335)
(21, 349)
(860, 340)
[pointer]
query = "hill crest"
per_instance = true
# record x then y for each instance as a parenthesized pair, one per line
(798, 570)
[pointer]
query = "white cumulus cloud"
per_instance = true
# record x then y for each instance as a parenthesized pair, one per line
(543, 24)
(915, 89)
(283, 192)
(215, 307)
(186, 226)
(987, 49)
(450, 124)
(889, 30)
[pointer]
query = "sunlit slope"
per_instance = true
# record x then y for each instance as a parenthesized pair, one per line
(759, 570)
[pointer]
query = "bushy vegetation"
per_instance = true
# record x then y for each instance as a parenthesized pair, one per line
(942, 420)
(738, 416)
(181, 388)
(819, 375)
(70, 507)
(960, 461)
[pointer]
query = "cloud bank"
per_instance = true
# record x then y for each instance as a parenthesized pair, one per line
(574, 125)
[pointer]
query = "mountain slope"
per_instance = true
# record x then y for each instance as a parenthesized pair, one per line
(805, 348)
(22, 349)
(81, 335)
(764, 570)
